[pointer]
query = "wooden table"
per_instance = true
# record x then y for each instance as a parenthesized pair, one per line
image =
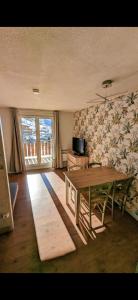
(80, 179)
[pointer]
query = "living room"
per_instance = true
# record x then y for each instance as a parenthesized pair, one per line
(69, 123)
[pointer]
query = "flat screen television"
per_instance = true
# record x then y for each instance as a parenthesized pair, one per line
(78, 146)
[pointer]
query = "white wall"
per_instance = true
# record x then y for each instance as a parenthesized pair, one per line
(66, 124)
(5, 115)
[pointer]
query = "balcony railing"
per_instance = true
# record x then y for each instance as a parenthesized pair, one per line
(30, 149)
(30, 153)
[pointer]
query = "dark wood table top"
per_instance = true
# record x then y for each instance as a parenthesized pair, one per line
(93, 176)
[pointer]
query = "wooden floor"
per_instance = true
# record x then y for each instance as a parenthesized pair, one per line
(114, 250)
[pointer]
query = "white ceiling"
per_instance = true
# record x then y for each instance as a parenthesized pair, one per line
(67, 64)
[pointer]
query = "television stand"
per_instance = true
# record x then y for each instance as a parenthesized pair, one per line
(80, 160)
(77, 154)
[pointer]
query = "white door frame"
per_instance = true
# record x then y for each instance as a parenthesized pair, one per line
(37, 116)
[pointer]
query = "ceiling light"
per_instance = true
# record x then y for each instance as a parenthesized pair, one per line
(107, 83)
(36, 91)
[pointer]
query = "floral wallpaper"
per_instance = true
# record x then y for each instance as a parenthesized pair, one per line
(111, 132)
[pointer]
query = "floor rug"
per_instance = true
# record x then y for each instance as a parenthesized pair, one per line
(53, 238)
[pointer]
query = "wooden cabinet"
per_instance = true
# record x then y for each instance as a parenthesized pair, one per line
(76, 160)
(6, 214)
(64, 153)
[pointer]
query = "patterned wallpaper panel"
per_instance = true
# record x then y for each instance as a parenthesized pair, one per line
(111, 132)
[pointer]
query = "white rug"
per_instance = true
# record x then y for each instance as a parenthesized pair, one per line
(53, 238)
(58, 186)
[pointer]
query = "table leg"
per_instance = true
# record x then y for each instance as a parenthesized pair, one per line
(67, 190)
(77, 206)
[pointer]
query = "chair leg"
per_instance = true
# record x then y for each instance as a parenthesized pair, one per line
(90, 210)
(113, 197)
(123, 205)
(103, 212)
(112, 209)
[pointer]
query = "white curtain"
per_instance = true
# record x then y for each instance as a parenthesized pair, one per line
(16, 160)
(57, 149)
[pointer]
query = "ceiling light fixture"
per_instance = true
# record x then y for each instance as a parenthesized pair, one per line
(107, 83)
(36, 91)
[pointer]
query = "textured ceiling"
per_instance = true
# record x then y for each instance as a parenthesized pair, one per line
(68, 65)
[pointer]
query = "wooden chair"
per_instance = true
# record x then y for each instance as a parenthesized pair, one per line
(95, 198)
(121, 192)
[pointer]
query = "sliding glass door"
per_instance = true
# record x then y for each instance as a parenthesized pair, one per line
(37, 141)
(45, 141)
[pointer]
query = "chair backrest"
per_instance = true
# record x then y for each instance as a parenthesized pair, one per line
(123, 185)
(102, 189)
